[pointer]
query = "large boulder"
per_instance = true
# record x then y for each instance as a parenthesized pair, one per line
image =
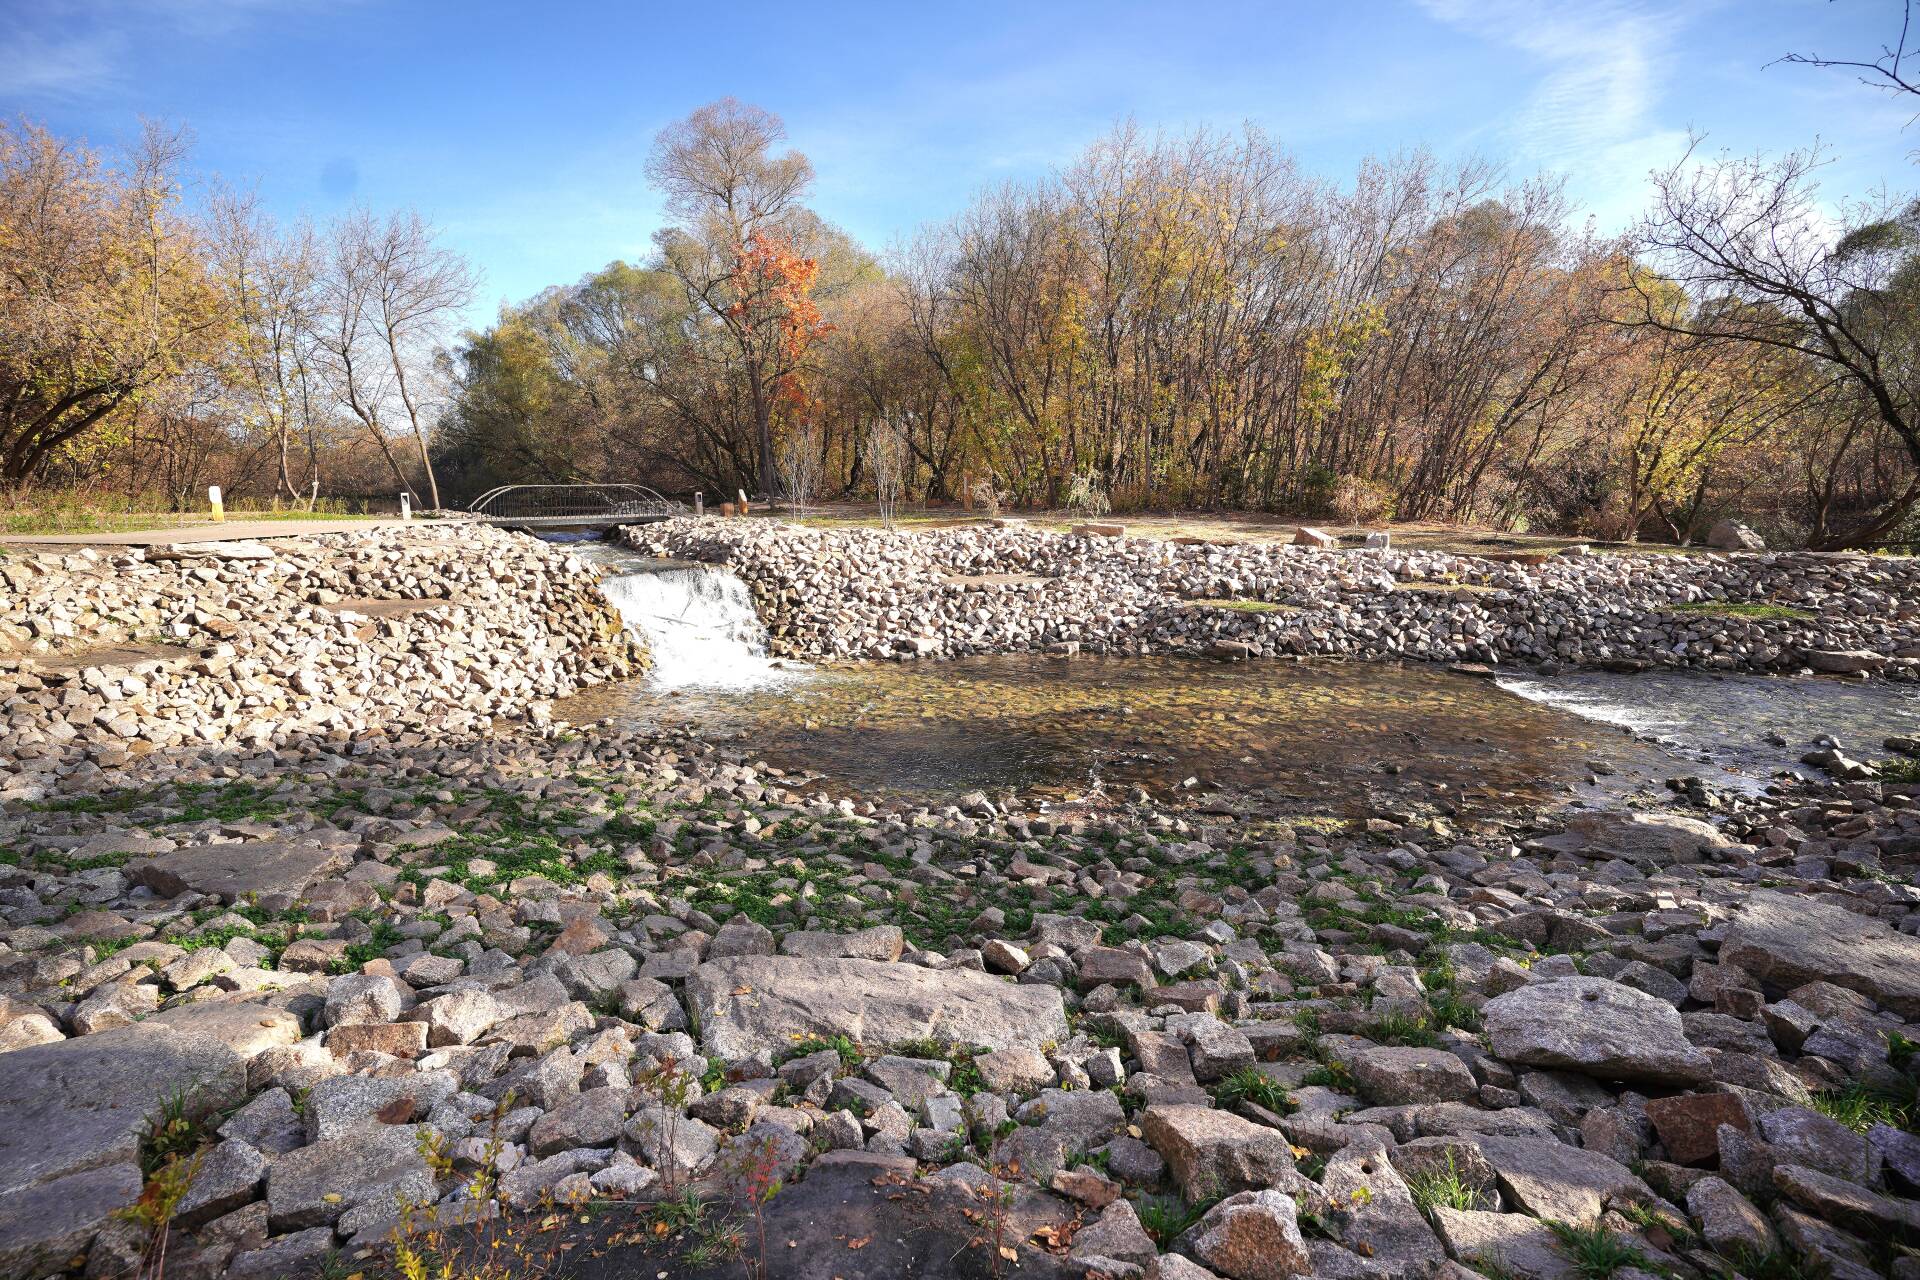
(1731, 535)
(231, 872)
(84, 1103)
(749, 1003)
(1787, 941)
(1596, 1027)
(1211, 1152)
(44, 1227)
(1661, 839)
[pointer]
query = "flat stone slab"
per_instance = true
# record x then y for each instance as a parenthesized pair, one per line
(82, 1104)
(44, 1227)
(1597, 1027)
(1787, 940)
(233, 871)
(745, 1003)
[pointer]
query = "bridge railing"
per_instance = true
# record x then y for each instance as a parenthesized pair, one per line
(557, 503)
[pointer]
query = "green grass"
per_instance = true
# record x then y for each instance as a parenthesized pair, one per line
(849, 1052)
(1402, 1029)
(62, 513)
(1241, 606)
(964, 1078)
(1250, 1084)
(1443, 1188)
(1751, 610)
(1166, 1218)
(1596, 1253)
(1898, 769)
(1330, 1075)
(1860, 1106)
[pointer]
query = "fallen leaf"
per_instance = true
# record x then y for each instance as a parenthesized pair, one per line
(861, 1243)
(399, 1111)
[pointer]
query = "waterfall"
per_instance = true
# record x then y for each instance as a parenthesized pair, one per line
(699, 624)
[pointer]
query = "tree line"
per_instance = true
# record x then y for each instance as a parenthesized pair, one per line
(150, 344)
(1193, 321)
(1173, 321)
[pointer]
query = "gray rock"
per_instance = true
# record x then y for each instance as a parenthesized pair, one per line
(1552, 1180)
(314, 1186)
(746, 1004)
(1523, 1246)
(232, 872)
(591, 1119)
(227, 1177)
(84, 1103)
(1251, 1235)
(1728, 1220)
(44, 1226)
(1596, 1027)
(882, 943)
(363, 997)
(1116, 1233)
(1210, 1152)
(1392, 1076)
(1787, 941)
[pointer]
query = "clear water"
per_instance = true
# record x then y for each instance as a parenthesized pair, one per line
(1309, 738)
(1312, 738)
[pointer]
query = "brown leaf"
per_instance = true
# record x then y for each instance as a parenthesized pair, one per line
(399, 1111)
(860, 1243)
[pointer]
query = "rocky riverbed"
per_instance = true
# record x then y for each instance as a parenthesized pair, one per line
(979, 589)
(617, 1002)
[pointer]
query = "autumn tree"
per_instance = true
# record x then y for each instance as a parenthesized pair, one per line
(738, 200)
(104, 293)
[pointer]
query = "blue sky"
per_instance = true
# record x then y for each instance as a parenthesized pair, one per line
(521, 128)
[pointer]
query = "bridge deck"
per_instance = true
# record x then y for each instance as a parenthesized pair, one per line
(567, 522)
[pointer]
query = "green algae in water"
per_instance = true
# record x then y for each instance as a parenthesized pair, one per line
(1340, 738)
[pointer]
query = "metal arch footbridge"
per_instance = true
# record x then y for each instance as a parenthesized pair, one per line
(572, 506)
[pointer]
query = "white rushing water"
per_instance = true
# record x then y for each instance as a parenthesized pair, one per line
(699, 624)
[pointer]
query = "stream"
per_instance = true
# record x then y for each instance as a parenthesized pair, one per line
(1308, 738)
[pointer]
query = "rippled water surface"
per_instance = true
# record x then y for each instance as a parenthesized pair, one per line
(1317, 738)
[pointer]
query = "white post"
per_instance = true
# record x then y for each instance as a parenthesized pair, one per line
(406, 508)
(213, 500)
(699, 504)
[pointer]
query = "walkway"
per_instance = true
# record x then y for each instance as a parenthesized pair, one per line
(228, 531)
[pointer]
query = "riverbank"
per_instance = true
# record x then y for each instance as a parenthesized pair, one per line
(954, 592)
(492, 987)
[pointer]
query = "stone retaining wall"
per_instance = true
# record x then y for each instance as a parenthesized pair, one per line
(392, 632)
(952, 592)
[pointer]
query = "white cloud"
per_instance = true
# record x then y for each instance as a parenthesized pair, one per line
(1593, 111)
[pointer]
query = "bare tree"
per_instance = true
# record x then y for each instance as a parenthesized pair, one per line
(1745, 240)
(887, 464)
(388, 296)
(1888, 71)
(270, 280)
(802, 463)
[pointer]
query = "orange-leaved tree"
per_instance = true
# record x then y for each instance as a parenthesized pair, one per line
(776, 322)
